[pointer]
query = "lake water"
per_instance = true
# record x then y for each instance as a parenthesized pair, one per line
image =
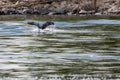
(75, 47)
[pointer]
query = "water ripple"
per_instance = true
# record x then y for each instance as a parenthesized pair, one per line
(81, 47)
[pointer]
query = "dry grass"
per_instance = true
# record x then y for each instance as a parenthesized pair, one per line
(92, 4)
(13, 0)
(88, 5)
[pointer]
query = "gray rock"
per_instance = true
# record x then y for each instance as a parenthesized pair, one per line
(83, 12)
(51, 13)
(70, 13)
(59, 11)
(97, 14)
(44, 11)
(114, 12)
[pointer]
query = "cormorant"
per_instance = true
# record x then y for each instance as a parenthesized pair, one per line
(43, 26)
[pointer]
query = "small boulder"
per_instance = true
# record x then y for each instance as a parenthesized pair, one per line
(83, 12)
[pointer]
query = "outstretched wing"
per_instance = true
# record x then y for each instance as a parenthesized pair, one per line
(31, 23)
(45, 25)
(34, 23)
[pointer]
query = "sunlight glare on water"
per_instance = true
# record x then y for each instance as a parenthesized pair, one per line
(79, 47)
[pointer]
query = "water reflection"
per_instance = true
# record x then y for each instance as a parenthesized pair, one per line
(82, 47)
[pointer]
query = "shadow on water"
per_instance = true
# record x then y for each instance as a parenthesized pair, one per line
(74, 47)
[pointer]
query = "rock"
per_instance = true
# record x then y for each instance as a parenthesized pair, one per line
(69, 13)
(114, 10)
(35, 11)
(16, 3)
(58, 7)
(25, 11)
(51, 13)
(83, 12)
(4, 10)
(2, 13)
(59, 11)
(43, 11)
(46, 5)
(63, 4)
(55, 5)
(97, 14)
(75, 11)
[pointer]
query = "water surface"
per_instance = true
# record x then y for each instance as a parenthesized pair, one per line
(77, 47)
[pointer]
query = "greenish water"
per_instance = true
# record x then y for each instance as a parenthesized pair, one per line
(76, 46)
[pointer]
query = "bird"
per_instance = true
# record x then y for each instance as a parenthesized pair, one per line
(43, 26)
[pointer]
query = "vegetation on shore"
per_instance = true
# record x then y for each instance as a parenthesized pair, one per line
(58, 7)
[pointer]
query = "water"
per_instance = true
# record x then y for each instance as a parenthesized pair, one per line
(78, 47)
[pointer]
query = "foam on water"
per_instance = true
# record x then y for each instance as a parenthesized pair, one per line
(50, 29)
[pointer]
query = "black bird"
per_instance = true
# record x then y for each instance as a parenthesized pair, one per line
(44, 26)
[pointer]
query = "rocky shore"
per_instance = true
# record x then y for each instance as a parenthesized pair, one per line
(60, 7)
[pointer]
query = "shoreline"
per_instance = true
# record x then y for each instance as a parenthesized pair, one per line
(52, 12)
(60, 7)
(55, 17)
